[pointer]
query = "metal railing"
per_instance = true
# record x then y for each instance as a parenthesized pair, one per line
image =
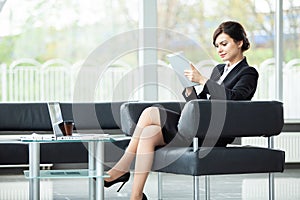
(27, 80)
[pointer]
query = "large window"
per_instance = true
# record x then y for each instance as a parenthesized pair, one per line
(198, 19)
(44, 45)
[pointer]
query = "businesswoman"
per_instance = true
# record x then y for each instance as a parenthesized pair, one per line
(234, 80)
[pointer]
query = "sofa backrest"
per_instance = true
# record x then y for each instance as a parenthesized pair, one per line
(215, 119)
(24, 117)
(229, 119)
(35, 116)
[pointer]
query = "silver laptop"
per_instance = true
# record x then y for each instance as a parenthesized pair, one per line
(57, 120)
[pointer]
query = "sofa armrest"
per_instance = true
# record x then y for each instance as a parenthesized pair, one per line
(228, 119)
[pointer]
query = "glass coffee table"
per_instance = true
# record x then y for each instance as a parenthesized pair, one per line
(95, 172)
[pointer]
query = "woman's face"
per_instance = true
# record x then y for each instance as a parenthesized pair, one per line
(228, 49)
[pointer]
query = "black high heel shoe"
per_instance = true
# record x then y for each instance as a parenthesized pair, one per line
(124, 178)
(144, 197)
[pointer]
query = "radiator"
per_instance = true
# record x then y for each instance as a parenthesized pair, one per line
(285, 189)
(288, 142)
(20, 190)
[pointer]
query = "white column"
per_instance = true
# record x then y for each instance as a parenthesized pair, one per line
(278, 50)
(278, 77)
(148, 50)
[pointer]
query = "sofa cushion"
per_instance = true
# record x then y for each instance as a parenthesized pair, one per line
(24, 117)
(218, 160)
(35, 116)
(104, 115)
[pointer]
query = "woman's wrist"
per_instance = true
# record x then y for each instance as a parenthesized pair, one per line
(203, 81)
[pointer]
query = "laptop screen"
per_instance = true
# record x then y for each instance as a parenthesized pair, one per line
(55, 117)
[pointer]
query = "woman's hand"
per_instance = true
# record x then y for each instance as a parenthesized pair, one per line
(194, 75)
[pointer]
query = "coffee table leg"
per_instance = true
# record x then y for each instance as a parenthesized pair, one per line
(92, 160)
(34, 170)
(99, 170)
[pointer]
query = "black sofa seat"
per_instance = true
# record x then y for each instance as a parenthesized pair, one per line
(218, 160)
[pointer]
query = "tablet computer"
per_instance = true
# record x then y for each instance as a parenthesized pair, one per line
(179, 63)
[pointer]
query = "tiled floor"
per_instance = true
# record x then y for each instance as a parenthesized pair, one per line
(234, 187)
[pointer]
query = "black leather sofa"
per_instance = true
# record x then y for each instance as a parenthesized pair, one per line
(28, 118)
(202, 123)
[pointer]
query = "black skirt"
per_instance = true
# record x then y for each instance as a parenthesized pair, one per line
(169, 125)
(169, 121)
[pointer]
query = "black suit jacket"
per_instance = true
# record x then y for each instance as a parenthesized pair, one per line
(239, 84)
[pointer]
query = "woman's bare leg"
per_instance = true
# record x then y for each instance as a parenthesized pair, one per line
(150, 138)
(150, 116)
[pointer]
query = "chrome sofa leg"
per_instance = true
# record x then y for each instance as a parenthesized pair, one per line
(207, 187)
(196, 188)
(196, 178)
(271, 175)
(159, 184)
(271, 186)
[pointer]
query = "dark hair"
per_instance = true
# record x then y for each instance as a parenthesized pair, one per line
(235, 30)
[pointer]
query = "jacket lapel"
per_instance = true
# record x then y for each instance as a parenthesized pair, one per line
(237, 68)
(218, 73)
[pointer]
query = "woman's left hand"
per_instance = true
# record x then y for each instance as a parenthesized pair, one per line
(194, 75)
